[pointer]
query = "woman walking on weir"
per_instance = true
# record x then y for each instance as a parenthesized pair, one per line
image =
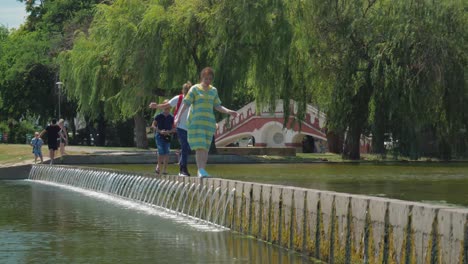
(176, 102)
(201, 123)
(63, 136)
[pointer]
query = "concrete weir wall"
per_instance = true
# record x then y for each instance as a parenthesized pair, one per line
(333, 227)
(344, 228)
(15, 172)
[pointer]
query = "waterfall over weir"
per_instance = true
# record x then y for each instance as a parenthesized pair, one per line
(193, 200)
(333, 227)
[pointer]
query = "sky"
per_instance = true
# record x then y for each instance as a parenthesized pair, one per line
(12, 13)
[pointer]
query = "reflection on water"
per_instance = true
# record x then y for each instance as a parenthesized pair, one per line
(47, 224)
(445, 183)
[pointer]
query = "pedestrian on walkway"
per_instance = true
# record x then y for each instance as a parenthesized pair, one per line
(176, 102)
(63, 136)
(52, 131)
(201, 123)
(36, 144)
(163, 126)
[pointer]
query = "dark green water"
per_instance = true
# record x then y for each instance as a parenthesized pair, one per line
(425, 182)
(47, 224)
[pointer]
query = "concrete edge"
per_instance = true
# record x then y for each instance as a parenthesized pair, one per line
(15, 172)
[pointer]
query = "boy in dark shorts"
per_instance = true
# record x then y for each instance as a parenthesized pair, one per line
(163, 125)
(52, 131)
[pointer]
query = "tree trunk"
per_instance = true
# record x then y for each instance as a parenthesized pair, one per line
(88, 131)
(73, 129)
(378, 136)
(101, 127)
(358, 117)
(335, 142)
(352, 143)
(378, 145)
(141, 141)
(101, 130)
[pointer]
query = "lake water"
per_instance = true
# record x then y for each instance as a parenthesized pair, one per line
(437, 183)
(41, 223)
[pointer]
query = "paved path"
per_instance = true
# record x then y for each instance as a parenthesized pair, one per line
(83, 150)
(107, 151)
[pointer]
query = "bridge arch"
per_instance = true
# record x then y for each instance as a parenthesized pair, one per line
(272, 135)
(235, 138)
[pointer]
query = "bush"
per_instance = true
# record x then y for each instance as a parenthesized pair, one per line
(19, 132)
(22, 132)
(3, 129)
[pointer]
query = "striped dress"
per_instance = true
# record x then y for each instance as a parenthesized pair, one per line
(201, 123)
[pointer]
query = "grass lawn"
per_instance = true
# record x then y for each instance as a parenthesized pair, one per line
(21, 153)
(332, 157)
(15, 153)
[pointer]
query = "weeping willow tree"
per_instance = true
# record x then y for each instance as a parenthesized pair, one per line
(420, 78)
(390, 66)
(100, 71)
(374, 67)
(137, 47)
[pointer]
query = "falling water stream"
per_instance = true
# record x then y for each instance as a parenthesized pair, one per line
(73, 215)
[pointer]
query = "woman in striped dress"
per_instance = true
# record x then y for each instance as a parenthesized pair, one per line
(201, 123)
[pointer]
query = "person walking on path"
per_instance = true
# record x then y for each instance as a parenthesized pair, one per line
(63, 137)
(201, 123)
(176, 102)
(37, 143)
(163, 126)
(52, 131)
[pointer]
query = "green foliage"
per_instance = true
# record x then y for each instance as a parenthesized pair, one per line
(28, 71)
(392, 67)
(420, 74)
(19, 131)
(4, 128)
(26, 77)
(376, 67)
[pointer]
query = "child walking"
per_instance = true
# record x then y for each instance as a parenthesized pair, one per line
(37, 143)
(163, 126)
(176, 102)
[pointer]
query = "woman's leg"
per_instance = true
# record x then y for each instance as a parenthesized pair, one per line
(198, 158)
(201, 157)
(62, 148)
(185, 149)
(204, 157)
(204, 152)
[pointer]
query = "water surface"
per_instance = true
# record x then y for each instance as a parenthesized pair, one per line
(436, 183)
(47, 224)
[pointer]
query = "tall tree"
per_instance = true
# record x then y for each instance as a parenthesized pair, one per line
(27, 79)
(362, 62)
(390, 66)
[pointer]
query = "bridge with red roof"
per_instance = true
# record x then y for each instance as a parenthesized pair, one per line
(266, 127)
